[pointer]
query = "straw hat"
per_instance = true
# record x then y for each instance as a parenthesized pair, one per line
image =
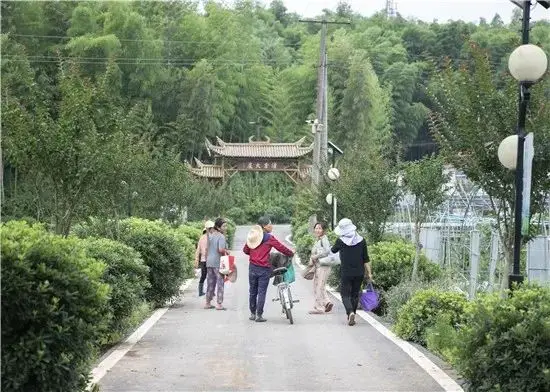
(345, 227)
(255, 236)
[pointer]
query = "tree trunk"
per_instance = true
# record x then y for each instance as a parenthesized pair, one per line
(417, 252)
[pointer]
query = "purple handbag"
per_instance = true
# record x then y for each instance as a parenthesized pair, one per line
(369, 298)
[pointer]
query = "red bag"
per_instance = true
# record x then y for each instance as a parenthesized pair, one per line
(227, 264)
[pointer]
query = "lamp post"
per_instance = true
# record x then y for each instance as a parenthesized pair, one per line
(527, 64)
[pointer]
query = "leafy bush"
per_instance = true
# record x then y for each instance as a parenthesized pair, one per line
(424, 308)
(156, 243)
(230, 234)
(505, 344)
(238, 215)
(303, 240)
(188, 248)
(127, 275)
(161, 252)
(392, 262)
(443, 338)
(191, 232)
(54, 310)
(397, 296)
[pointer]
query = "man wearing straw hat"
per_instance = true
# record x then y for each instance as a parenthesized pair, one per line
(258, 245)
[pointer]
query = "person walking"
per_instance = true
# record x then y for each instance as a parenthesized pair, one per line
(200, 254)
(258, 245)
(217, 247)
(320, 249)
(355, 265)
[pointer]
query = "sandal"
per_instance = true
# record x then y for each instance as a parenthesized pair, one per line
(208, 306)
(328, 307)
(220, 308)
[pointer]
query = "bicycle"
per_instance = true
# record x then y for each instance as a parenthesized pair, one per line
(285, 295)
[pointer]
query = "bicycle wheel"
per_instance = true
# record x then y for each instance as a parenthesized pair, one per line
(289, 316)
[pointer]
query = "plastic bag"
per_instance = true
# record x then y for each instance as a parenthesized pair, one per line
(369, 298)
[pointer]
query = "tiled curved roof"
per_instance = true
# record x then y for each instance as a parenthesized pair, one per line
(259, 149)
(203, 170)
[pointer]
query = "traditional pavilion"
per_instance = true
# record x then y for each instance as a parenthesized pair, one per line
(255, 156)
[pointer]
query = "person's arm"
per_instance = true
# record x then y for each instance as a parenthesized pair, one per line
(368, 268)
(222, 246)
(197, 254)
(246, 249)
(280, 247)
(337, 246)
(325, 249)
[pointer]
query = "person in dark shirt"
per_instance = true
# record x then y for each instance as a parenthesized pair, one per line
(258, 245)
(355, 265)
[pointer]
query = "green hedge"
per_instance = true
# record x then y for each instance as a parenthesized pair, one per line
(54, 310)
(188, 247)
(158, 246)
(505, 344)
(392, 262)
(161, 252)
(424, 309)
(127, 275)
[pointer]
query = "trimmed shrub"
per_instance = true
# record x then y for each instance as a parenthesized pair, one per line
(443, 339)
(230, 234)
(397, 296)
(127, 275)
(161, 252)
(54, 310)
(505, 344)
(191, 232)
(156, 243)
(303, 240)
(188, 247)
(392, 262)
(424, 308)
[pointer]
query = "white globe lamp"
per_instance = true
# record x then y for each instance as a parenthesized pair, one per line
(508, 152)
(528, 63)
(333, 174)
(328, 199)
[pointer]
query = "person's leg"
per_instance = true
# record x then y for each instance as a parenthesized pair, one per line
(220, 285)
(210, 284)
(318, 305)
(356, 292)
(253, 289)
(202, 265)
(325, 300)
(345, 291)
(263, 282)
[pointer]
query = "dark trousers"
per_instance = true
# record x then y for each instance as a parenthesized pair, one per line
(258, 280)
(202, 266)
(350, 288)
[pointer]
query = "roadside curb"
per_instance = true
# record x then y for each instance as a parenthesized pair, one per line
(442, 378)
(120, 350)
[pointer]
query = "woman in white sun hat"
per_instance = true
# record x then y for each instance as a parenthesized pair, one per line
(355, 265)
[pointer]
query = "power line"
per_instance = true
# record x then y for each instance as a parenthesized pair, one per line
(61, 37)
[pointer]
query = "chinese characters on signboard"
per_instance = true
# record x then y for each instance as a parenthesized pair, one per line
(254, 165)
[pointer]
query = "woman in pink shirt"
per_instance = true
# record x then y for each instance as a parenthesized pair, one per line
(200, 254)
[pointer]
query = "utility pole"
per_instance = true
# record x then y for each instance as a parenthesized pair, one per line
(320, 142)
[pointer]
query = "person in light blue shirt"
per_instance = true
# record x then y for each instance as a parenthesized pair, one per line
(217, 247)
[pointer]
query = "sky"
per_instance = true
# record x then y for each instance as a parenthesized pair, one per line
(427, 10)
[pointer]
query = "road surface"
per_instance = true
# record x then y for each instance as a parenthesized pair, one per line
(193, 349)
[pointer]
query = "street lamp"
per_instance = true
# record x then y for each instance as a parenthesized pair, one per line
(527, 64)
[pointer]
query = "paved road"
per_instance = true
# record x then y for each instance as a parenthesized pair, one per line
(193, 349)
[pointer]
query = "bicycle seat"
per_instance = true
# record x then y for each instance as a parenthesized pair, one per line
(279, 271)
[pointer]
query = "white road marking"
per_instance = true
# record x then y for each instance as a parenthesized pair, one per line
(442, 378)
(121, 349)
